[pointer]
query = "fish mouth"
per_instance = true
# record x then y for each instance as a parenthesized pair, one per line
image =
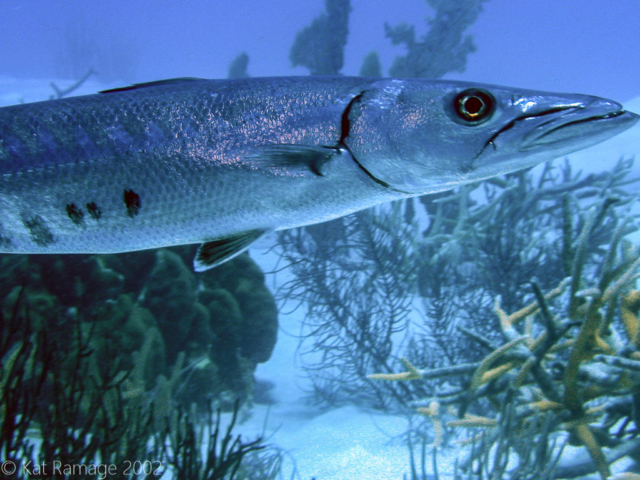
(541, 134)
(564, 128)
(577, 125)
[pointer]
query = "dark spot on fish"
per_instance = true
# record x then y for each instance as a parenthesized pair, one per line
(132, 201)
(94, 211)
(75, 214)
(40, 233)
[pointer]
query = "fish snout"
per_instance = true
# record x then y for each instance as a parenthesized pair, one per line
(580, 124)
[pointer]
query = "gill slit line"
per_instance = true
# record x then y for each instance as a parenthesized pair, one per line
(344, 133)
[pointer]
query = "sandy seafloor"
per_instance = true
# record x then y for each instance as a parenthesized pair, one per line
(346, 443)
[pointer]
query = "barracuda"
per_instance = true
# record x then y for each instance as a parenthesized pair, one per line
(222, 162)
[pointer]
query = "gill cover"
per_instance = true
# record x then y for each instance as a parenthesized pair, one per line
(420, 137)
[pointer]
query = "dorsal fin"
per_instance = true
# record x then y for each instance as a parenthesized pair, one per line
(156, 83)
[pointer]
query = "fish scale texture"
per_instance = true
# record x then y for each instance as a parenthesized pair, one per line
(183, 148)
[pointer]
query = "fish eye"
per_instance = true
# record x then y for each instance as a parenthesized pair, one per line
(474, 106)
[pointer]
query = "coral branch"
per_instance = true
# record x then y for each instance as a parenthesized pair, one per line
(588, 440)
(629, 308)
(626, 363)
(411, 374)
(476, 379)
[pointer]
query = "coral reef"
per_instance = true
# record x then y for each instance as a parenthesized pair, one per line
(551, 247)
(444, 48)
(320, 46)
(151, 308)
(238, 66)
(564, 361)
(61, 417)
(371, 65)
(356, 276)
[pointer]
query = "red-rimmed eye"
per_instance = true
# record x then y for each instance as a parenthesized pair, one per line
(474, 105)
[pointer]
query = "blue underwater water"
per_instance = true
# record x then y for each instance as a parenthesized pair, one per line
(490, 331)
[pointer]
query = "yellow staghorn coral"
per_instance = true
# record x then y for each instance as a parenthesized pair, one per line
(603, 345)
(629, 308)
(626, 476)
(473, 421)
(534, 343)
(433, 412)
(544, 387)
(496, 372)
(583, 349)
(412, 373)
(485, 365)
(626, 279)
(463, 442)
(562, 346)
(546, 406)
(507, 321)
(584, 433)
(524, 371)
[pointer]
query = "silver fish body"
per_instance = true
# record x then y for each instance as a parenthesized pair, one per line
(221, 162)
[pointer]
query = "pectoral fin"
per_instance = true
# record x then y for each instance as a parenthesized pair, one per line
(301, 159)
(213, 253)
